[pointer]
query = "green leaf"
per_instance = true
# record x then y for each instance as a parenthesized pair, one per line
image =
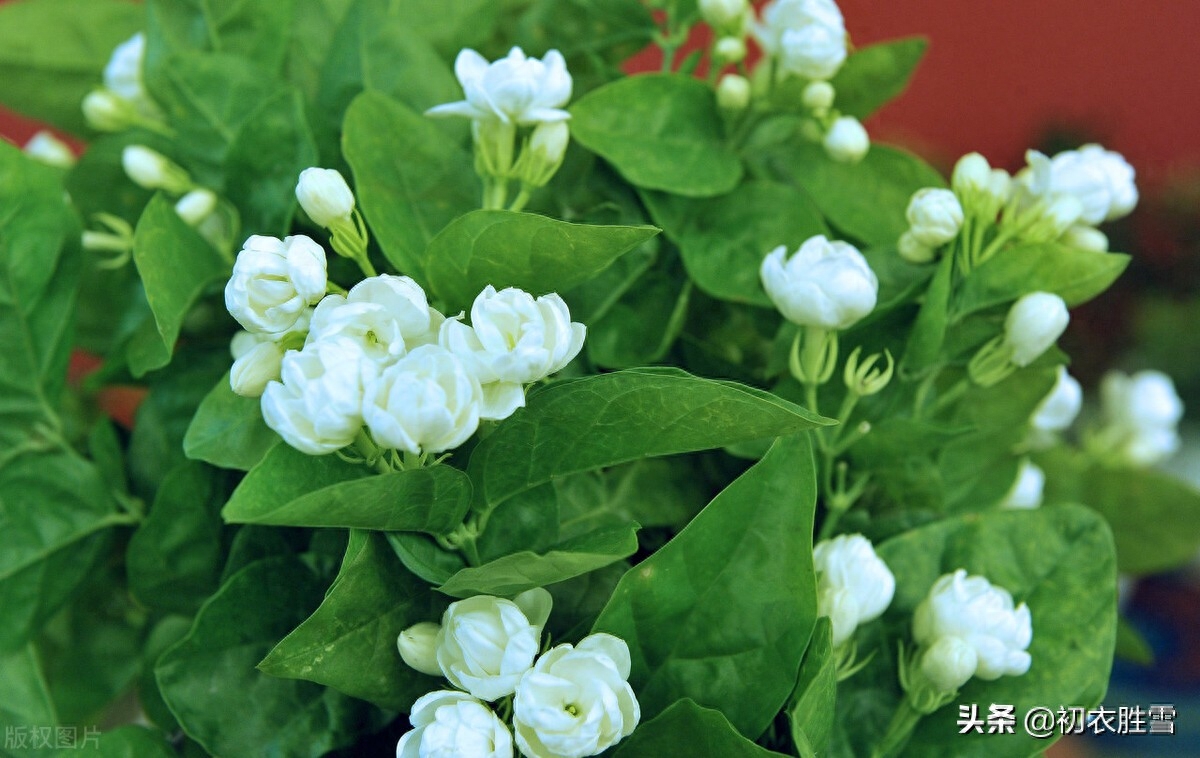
(687, 730)
(399, 62)
(209, 682)
(25, 699)
(1074, 275)
(1060, 562)
(124, 742)
(432, 500)
(518, 572)
(449, 27)
(286, 474)
(592, 299)
(875, 74)
(250, 29)
(810, 709)
(506, 249)
(661, 131)
(929, 331)
(1131, 645)
(595, 38)
(228, 430)
(176, 265)
(641, 327)
(349, 643)
(422, 555)
(866, 200)
(723, 612)
(53, 52)
(174, 559)
(597, 421)
(412, 180)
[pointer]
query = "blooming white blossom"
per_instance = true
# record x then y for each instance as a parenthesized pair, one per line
(1026, 491)
(576, 700)
(854, 585)
(1141, 414)
(426, 402)
(1101, 180)
(385, 315)
(257, 360)
(806, 37)
(1058, 410)
(513, 339)
(448, 723)
(418, 647)
(486, 644)
(317, 405)
(825, 284)
(934, 216)
(325, 196)
(274, 281)
(847, 140)
(48, 149)
(1034, 323)
(153, 170)
(196, 206)
(973, 611)
(516, 89)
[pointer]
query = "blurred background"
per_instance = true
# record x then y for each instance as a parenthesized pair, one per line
(1001, 77)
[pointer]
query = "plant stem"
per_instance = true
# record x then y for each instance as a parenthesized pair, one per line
(904, 720)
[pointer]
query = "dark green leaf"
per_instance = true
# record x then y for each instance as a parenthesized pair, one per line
(422, 555)
(595, 38)
(123, 742)
(250, 29)
(810, 708)
(312, 36)
(641, 327)
(25, 699)
(284, 475)
(929, 332)
(592, 299)
(687, 730)
(723, 612)
(1074, 275)
(228, 430)
(875, 74)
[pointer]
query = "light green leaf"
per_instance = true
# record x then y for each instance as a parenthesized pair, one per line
(53, 52)
(449, 27)
(661, 131)
(595, 38)
(810, 709)
(412, 180)
(250, 29)
(25, 699)
(401, 63)
(875, 74)
(929, 331)
(349, 643)
(584, 424)
(176, 265)
(283, 475)
(228, 430)
(1074, 275)
(723, 612)
(518, 572)
(312, 36)
(687, 730)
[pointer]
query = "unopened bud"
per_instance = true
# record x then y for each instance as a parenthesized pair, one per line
(106, 112)
(949, 663)
(50, 150)
(325, 196)
(418, 647)
(723, 14)
(543, 154)
(255, 368)
(971, 174)
(196, 205)
(1086, 238)
(1056, 218)
(847, 140)
(913, 250)
(730, 50)
(152, 170)
(733, 93)
(818, 96)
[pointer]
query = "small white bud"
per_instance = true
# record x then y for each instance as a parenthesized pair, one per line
(818, 96)
(971, 174)
(935, 216)
(49, 149)
(196, 205)
(912, 250)
(325, 196)
(722, 14)
(730, 49)
(105, 112)
(153, 170)
(418, 647)
(949, 663)
(1026, 491)
(1086, 238)
(1058, 410)
(544, 153)
(255, 368)
(847, 140)
(733, 93)
(1034, 323)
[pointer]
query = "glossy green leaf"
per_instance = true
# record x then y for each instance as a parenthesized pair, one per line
(422, 555)
(312, 36)
(176, 265)
(535, 253)
(584, 424)
(53, 52)
(640, 328)
(249, 29)
(723, 240)
(210, 683)
(866, 200)
(595, 38)
(875, 74)
(592, 299)
(412, 180)
(525, 570)
(687, 730)
(286, 474)
(432, 500)
(400, 63)
(929, 331)
(661, 131)
(722, 613)
(349, 642)
(1074, 275)
(810, 708)
(228, 430)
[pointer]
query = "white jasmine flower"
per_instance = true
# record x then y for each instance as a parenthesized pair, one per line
(1101, 180)
(1026, 491)
(847, 140)
(1034, 323)
(934, 216)
(853, 585)
(105, 112)
(48, 149)
(325, 196)
(274, 281)
(806, 37)
(153, 170)
(418, 647)
(317, 406)
(972, 611)
(576, 700)
(1141, 415)
(196, 206)
(825, 284)
(1058, 410)
(513, 340)
(448, 723)
(258, 359)
(386, 315)
(486, 644)
(123, 75)
(514, 90)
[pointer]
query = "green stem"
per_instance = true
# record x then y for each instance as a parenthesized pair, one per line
(371, 452)
(950, 396)
(518, 203)
(903, 722)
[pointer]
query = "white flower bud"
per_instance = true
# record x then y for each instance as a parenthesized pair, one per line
(449, 723)
(853, 585)
(123, 74)
(253, 369)
(1123, 191)
(196, 206)
(818, 96)
(999, 187)
(153, 170)
(1101, 180)
(1026, 491)
(935, 216)
(971, 174)
(825, 284)
(274, 281)
(418, 647)
(544, 153)
(325, 196)
(48, 149)
(576, 701)
(913, 250)
(426, 402)
(384, 315)
(486, 644)
(1061, 214)
(514, 90)
(806, 37)
(733, 93)
(979, 614)
(1085, 237)
(1141, 413)
(105, 112)
(730, 50)
(949, 663)
(722, 14)
(1059, 409)
(317, 406)
(847, 140)
(1034, 323)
